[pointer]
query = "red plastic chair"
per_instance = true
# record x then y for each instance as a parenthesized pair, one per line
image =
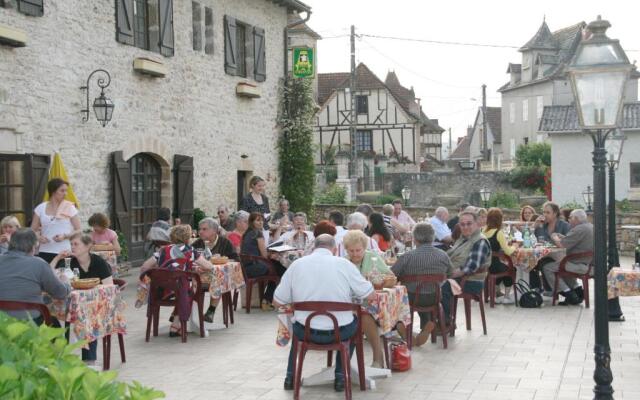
(300, 348)
(6, 305)
(272, 276)
(467, 298)
(563, 273)
(490, 281)
(163, 279)
(106, 341)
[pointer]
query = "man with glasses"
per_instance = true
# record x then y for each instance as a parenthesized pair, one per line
(470, 253)
(226, 222)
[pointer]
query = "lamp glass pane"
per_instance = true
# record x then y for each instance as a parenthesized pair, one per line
(100, 108)
(595, 54)
(613, 146)
(599, 95)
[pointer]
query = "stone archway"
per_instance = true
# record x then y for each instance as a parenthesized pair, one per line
(156, 149)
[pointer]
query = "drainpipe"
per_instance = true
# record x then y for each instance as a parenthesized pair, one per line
(286, 42)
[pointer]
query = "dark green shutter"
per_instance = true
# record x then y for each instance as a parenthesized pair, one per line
(183, 188)
(121, 195)
(34, 8)
(230, 47)
(166, 27)
(37, 179)
(124, 21)
(259, 59)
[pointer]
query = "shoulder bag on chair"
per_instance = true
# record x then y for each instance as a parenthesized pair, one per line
(528, 298)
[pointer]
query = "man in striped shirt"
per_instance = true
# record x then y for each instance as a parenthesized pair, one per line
(424, 260)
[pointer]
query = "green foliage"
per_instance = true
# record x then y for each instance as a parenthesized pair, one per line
(330, 155)
(534, 155)
(37, 363)
(385, 199)
(529, 177)
(572, 205)
(504, 200)
(124, 250)
(198, 215)
(625, 205)
(295, 145)
(334, 194)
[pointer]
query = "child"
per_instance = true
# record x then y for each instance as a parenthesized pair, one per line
(8, 225)
(104, 239)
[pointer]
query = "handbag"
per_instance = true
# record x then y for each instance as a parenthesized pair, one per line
(528, 298)
(400, 357)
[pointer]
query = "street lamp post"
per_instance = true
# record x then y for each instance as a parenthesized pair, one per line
(406, 195)
(587, 196)
(485, 196)
(598, 72)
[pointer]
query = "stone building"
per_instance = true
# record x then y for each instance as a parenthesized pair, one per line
(195, 87)
(482, 144)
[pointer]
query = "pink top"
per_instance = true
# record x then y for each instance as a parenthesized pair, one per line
(105, 237)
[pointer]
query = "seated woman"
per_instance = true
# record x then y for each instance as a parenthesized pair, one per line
(241, 222)
(493, 232)
(368, 263)
(546, 225)
(177, 256)
(104, 239)
(379, 232)
(253, 244)
(8, 225)
(89, 266)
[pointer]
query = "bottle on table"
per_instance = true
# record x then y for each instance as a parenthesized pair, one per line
(526, 239)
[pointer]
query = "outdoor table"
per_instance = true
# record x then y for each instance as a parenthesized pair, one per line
(286, 258)
(526, 259)
(391, 305)
(623, 282)
(92, 313)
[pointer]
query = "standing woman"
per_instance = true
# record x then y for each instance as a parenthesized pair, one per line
(256, 200)
(56, 221)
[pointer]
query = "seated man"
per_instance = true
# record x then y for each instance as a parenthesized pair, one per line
(578, 240)
(442, 231)
(213, 243)
(321, 276)
(356, 221)
(424, 260)
(23, 276)
(401, 216)
(396, 228)
(299, 236)
(227, 224)
(470, 253)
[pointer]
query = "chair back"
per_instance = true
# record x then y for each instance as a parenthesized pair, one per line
(26, 306)
(179, 282)
(120, 283)
(423, 282)
(324, 308)
(575, 256)
(506, 260)
(247, 259)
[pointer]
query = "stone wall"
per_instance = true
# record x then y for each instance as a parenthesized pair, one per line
(193, 111)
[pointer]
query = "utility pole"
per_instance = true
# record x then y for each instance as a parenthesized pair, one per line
(449, 154)
(484, 123)
(352, 114)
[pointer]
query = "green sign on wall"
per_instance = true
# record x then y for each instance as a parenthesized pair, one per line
(303, 62)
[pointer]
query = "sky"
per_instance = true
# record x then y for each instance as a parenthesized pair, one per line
(448, 78)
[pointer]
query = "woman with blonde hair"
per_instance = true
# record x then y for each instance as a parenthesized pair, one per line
(8, 225)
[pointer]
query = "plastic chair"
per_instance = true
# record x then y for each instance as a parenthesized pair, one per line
(563, 273)
(467, 298)
(106, 340)
(272, 276)
(6, 305)
(490, 281)
(177, 281)
(300, 348)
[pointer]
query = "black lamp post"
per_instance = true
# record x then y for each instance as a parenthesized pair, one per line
(406, 195)
(598, 72)
(485, 196)
(102, 105)
(587, 196)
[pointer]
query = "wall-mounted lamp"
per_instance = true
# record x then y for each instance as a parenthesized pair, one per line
(102, 106)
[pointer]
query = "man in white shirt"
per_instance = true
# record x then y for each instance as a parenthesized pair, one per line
(321, 276)
(338, 220)
(299, 233)
(402, 216)
(442, 231)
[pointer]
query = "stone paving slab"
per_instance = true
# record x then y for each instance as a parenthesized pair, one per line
(535, 354)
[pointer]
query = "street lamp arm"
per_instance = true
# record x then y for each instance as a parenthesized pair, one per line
(101, 83)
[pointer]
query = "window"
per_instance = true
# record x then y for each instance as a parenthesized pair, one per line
(364, 141)
(236, 51)
(526, 141)
(512, 112)
(362, 104)
(525, 110)
(539, 106)
(34, 8)
(23, 179)
(147, 24)
(634, 173)
(208, 30)
(196, 23)
(512, 145)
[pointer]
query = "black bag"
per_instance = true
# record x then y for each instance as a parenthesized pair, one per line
(528, 298)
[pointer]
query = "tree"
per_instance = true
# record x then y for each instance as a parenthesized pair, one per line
(533, 165)
(534, 155)
(295, 145)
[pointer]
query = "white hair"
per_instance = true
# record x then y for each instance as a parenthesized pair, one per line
(357, 220)
(580, 215)
(441, 211)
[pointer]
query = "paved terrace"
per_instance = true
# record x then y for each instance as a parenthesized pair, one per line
(539, 354)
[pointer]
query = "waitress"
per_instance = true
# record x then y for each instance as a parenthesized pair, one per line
(55, 221)
(256, 200)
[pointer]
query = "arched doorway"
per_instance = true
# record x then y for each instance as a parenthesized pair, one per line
(145, 181)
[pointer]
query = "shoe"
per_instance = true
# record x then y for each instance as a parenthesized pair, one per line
(423, 336)
(266, 306)
(619, 318)
(499, 293)
(570, 299)
(174, 334)
(508, 299)
(499, 300)
(377, 364)
(171, 318)
(208, 316)
(579, 292)
(288, 383)
(547, 294)
(338, 385)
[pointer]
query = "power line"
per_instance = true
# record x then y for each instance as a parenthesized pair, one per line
(440, 41)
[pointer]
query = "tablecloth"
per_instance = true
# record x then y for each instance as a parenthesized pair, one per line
(623, 282)
(528, 258)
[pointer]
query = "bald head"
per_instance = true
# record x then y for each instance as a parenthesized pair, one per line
(325, 241)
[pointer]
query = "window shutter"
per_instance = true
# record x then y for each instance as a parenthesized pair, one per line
(183, 188)
(121, 192)
(166, 27)
(35, 8)
(37, 179)
(230, 50)
(124, 21)
(259, 60)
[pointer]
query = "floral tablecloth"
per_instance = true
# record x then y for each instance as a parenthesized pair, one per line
(528, 258)
(92, 313)
(390, 306)
(287, 257)
(623, 282)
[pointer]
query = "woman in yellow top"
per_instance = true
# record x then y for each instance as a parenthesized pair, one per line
(368, 263)
(493, 232)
